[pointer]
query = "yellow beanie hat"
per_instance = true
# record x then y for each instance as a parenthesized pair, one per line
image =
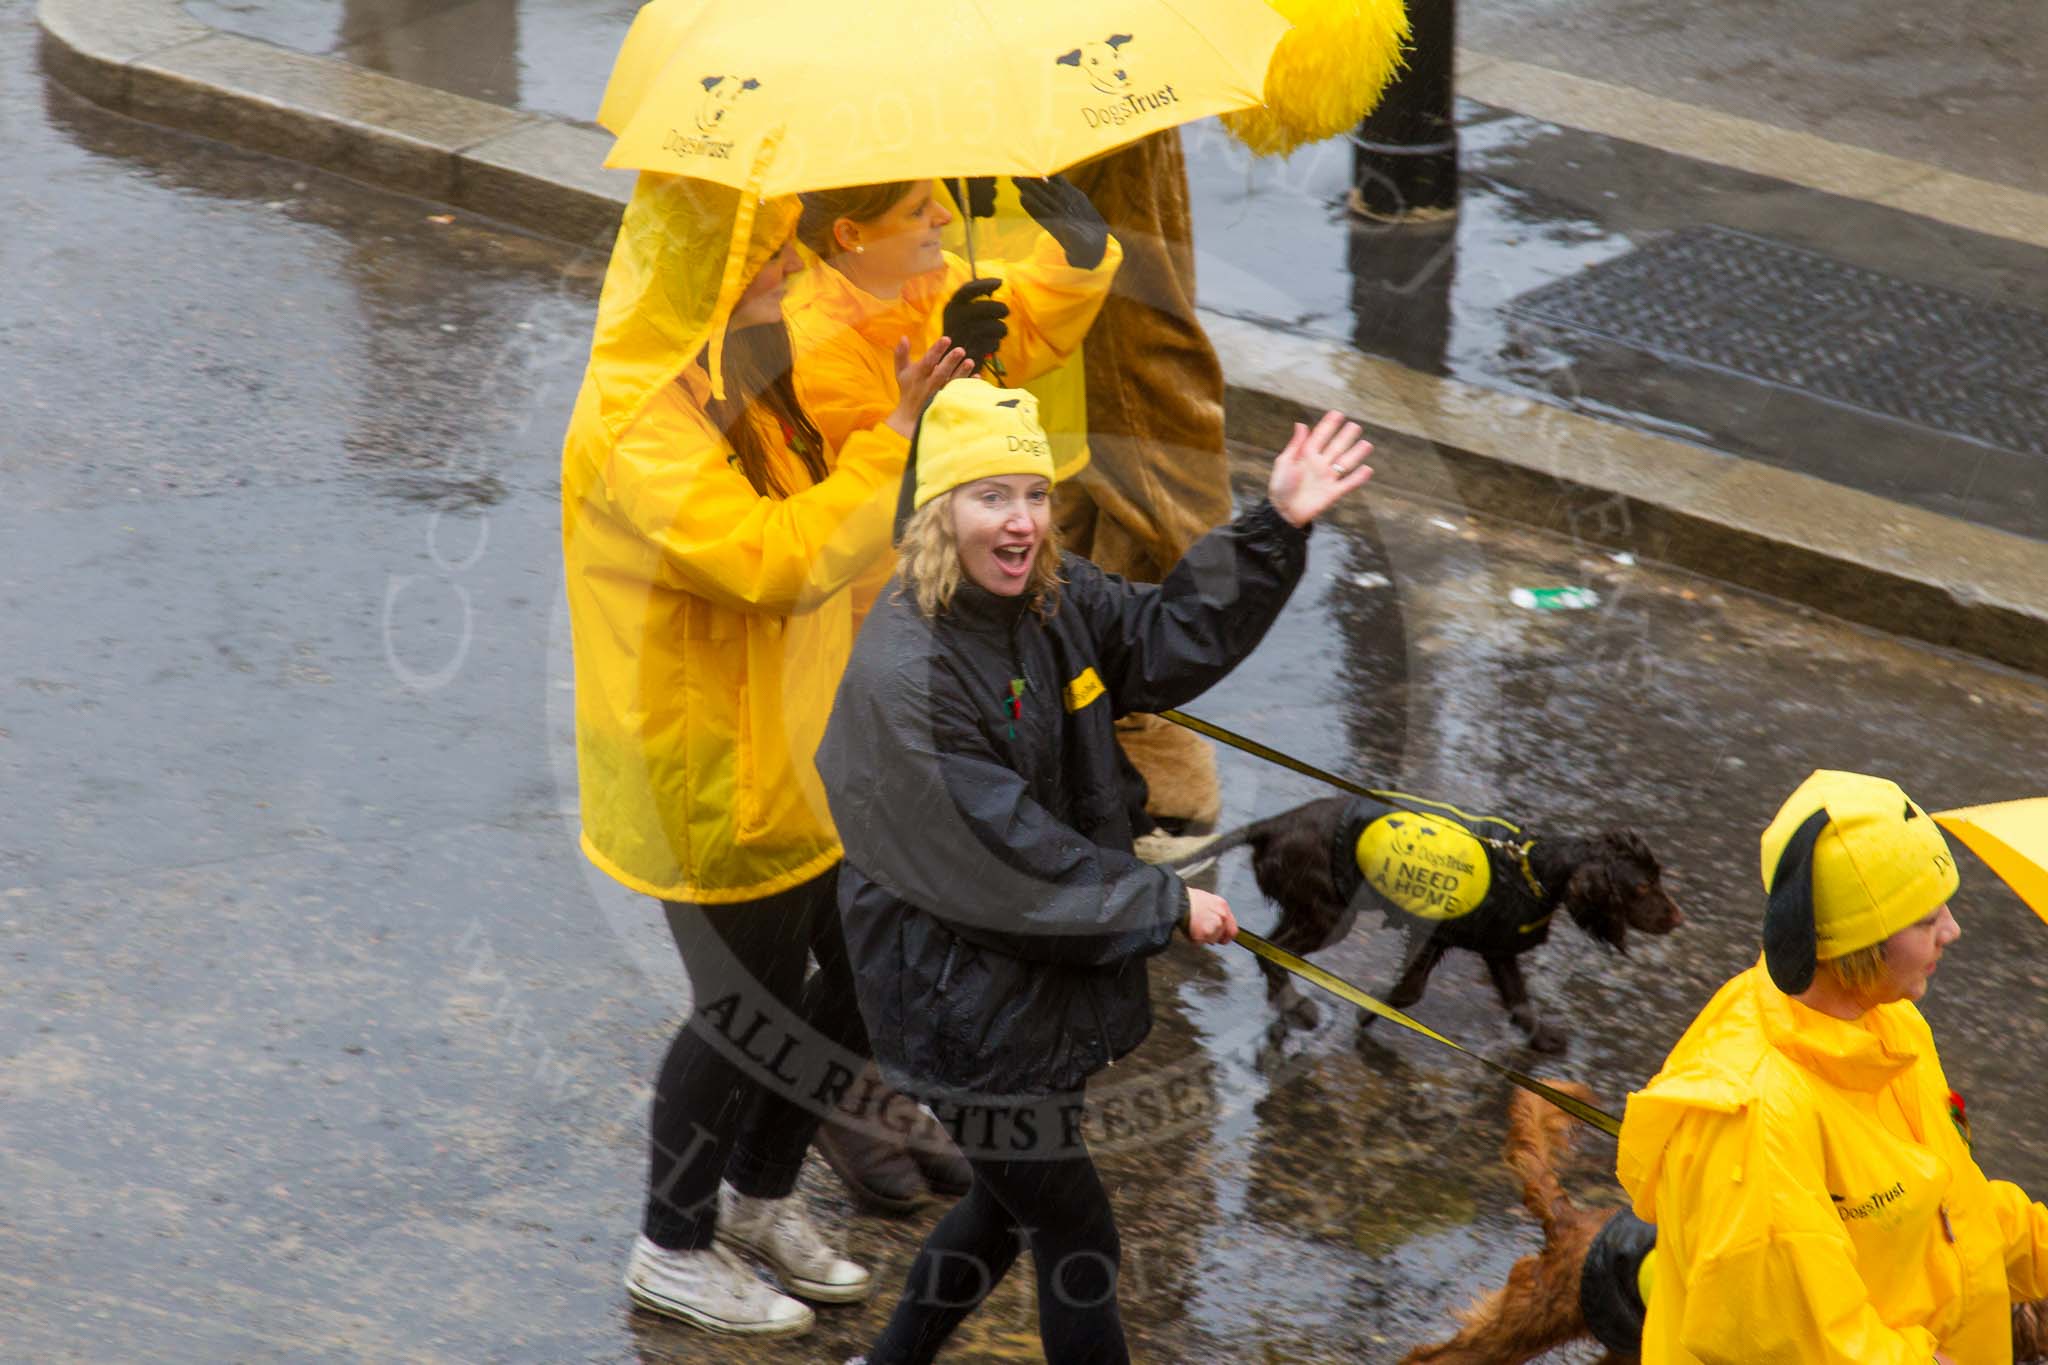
(974, 430)
(1849, 861)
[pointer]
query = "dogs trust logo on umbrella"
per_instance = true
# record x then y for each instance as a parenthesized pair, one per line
(1108, 68)
(721, 94)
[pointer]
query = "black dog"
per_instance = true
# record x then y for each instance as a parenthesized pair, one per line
(1454, 881)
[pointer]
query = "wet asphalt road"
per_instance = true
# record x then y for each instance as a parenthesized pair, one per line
(319, 1042)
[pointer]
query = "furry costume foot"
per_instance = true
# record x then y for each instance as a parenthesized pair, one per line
(1179, 768)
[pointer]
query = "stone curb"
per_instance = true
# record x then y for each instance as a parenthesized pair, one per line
(1863, 558)
(149, 60)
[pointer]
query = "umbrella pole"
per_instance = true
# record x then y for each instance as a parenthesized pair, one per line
(994, 366)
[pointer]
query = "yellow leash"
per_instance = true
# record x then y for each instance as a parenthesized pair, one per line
(1337, 985)
(1421, 805)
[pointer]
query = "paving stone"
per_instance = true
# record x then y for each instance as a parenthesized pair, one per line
(88, 44)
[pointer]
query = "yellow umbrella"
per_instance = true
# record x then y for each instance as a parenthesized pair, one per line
(815, 94)
(2012, 838)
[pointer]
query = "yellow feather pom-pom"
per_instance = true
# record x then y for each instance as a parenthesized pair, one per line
(1327, 73)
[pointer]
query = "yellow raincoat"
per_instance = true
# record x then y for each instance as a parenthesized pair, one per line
(710, 622)
(845, 337)
(1815, 1203)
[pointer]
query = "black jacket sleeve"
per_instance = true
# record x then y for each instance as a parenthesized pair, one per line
(927, 808)
(1161, 647)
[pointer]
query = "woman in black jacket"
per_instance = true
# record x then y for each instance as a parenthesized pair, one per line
(997, 920)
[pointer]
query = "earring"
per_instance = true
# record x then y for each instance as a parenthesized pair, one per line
(860, 251)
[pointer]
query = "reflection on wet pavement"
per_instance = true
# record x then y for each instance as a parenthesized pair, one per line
(524, 54)
(324, 1044)
(1540, 205)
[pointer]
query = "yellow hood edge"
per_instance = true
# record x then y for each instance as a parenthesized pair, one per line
(686, 251)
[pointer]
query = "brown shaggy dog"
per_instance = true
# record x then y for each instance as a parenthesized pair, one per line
(1607, 884)
(1539, 1308)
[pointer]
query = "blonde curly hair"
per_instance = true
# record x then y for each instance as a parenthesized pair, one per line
(928, 561)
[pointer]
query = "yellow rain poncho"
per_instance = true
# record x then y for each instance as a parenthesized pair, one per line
(710, 622)
(845, 337)
(1815, 1202)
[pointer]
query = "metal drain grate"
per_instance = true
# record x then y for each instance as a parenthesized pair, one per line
(1756, 308)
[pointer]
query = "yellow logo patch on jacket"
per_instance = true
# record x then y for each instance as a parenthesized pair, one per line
(1430, 867)
(1085, 687)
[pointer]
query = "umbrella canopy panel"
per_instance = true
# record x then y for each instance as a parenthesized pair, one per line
(892, 91)
(2012, 839)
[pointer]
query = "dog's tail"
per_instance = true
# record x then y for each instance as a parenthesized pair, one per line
(1539, 1135)
(1187, 855)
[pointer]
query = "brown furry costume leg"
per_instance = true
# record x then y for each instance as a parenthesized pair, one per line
(1159, 477)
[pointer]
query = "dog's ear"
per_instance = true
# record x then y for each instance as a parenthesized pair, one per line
(1117, 40)
(711, 82)
(1595, 903)
(1791, 944)
(1070, 59)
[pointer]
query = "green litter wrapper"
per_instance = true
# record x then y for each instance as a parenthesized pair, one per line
(1555, 599)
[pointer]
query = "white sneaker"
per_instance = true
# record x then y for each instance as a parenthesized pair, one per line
(781, 1233)
(712, 1290)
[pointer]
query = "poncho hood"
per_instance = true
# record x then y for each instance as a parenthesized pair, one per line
(1716, 1066)
(686, 251)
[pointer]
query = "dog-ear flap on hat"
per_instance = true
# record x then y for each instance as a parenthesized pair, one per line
(1790, 939)
(906, 497)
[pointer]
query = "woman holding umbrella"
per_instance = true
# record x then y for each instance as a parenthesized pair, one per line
(888, 280)
(997, 918)
(709, 534)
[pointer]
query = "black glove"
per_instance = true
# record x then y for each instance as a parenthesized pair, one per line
(1066, 213)
(975, 195)
(975, 321)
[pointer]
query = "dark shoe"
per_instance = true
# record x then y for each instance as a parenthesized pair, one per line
(877, 1170)
(945, 1170)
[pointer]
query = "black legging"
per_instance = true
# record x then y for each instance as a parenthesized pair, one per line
(746, 1122)
(1054, 1205)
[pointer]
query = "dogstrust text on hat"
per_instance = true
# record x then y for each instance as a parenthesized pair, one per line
(974, 430)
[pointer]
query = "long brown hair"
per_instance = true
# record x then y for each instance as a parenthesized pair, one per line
(861, 203)
(759, 378)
